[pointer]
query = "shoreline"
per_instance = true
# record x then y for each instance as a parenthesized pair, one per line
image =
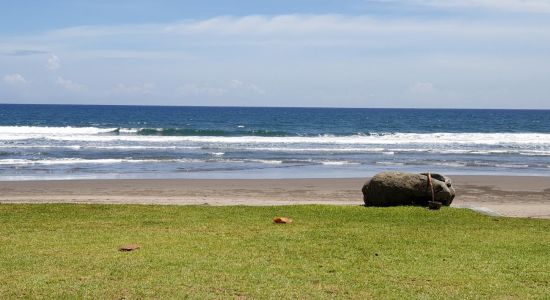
(514, 196)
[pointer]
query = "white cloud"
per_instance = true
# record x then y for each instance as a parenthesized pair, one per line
(141, 89)
(246, 86)
(296, 24)
(24, 52)
(291, 25)
(70, 85)
(15, 79)
(53, 62)
(296, 29)
(193, 89)
(422, 88)
(533, 6)
(232, 87)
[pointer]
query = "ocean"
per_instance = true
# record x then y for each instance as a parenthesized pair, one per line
(93, 141)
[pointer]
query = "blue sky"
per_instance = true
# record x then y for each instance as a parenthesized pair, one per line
(383, 53)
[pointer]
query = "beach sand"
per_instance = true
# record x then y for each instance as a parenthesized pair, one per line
(515, 196)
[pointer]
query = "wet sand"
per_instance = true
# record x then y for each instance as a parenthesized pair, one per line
(516, 196)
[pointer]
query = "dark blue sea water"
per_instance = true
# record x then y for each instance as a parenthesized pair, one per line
(64, 141)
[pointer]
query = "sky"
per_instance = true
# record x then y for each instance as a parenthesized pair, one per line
(324, 53)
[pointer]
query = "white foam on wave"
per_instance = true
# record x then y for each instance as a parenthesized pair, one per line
(101, 134)
(70, 161)
(392, 139)
(131, 147)
(390, 163)
(69, 130)
(74, 147)
(451, 164)
(76, 161)
(61, 161)
(284, 148)
(266, 161)
(534, 153)
(77, 147)
(129, 130)
(292, 149)
(512, 166)
(339, 163)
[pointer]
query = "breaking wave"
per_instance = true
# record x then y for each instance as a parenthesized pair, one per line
(13, 133)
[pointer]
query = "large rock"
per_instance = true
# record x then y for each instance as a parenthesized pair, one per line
(396, 188)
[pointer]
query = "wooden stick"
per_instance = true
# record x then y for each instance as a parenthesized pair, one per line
(431, 186)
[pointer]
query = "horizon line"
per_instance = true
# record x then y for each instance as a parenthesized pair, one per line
(245, 106)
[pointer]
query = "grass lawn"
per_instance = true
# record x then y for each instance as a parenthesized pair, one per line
(70, 251)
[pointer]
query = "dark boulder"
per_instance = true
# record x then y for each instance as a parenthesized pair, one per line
(396, 188)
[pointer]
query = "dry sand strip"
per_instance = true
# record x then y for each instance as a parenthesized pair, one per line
(515, 196)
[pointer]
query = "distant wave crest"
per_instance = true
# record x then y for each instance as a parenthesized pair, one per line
(267, 137)
(207, 132)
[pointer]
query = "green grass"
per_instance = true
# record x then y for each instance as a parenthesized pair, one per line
(70, 251)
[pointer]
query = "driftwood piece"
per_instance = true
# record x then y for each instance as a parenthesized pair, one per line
(129, 247)
(282, 220)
